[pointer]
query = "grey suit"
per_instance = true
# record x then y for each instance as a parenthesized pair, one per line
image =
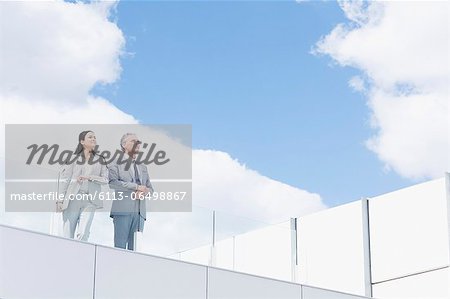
(69, 186)
(81, 212)
(128, 214)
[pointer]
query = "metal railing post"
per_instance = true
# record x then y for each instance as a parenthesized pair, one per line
(294, 255)
(212, 261)
(366, 247)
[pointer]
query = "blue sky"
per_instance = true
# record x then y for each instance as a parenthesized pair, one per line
(242, 74)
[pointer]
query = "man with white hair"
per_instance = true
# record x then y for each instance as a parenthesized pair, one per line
(131, 183)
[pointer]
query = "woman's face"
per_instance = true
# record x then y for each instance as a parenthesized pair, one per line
(89, 141)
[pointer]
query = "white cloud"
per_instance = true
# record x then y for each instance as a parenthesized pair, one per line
(223, 183)
(403, 50)
(53, 53)
(58, 50)
(95, 110)
(357, 84)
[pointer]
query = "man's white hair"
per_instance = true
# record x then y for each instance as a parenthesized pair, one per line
(125, 137)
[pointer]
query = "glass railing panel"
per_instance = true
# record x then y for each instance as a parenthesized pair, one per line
(171, 233)
(27, 211)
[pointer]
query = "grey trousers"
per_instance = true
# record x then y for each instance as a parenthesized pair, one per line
(124, 228)
(79, 212)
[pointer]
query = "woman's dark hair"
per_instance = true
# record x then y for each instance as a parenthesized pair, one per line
(81, 137)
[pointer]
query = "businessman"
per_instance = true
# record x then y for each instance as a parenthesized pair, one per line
(130, 182)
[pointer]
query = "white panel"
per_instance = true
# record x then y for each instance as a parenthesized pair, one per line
(123, 274)
(199, 255)
(428, 285)
(265, 252)
(330, 249)
(34, 266)
(317, 293)
(225, 253)
(34, 221)
(408, 230)
(231, 285)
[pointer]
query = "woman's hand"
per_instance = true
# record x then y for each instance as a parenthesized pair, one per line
(82, 178)
(59, 206)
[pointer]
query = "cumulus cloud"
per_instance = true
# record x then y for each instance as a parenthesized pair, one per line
(53, 54)
(402, 48)
(58, 50)
(226, 184)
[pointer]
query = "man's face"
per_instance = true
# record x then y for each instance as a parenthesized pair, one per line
(132, 145)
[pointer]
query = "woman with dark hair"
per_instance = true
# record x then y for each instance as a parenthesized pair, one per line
(81, 184)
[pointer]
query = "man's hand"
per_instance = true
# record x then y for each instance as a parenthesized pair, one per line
(143, 189)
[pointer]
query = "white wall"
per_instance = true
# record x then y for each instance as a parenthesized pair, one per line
(317, 293)
(36, 265)
(123, 274)
(409, 238)
(409, 250)
(330, 249)
(408, 231)
(434, 284)
(231, 285)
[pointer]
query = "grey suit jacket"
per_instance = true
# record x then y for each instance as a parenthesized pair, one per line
(68, 184)
(123, 183)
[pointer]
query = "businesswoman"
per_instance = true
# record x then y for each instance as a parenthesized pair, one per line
(81, 183)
